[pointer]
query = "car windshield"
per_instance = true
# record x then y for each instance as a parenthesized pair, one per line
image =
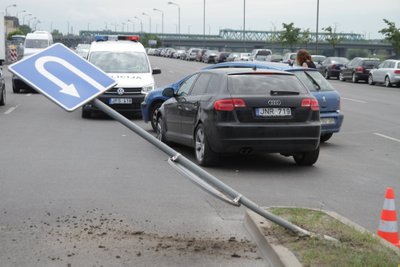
(263, 84)
(120, 62)
(314, 80)
(36, 43)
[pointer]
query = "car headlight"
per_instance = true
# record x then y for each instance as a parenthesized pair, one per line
(147, 89)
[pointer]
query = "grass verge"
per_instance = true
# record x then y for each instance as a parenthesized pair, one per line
(354, 248)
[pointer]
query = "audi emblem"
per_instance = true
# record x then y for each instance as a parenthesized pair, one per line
(274, 102)
(120, 91)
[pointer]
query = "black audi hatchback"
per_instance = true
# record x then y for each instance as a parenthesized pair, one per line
(221, 111)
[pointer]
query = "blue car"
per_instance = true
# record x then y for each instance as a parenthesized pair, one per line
(328, 98)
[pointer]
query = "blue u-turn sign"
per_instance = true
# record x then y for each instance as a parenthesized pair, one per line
(63, 76)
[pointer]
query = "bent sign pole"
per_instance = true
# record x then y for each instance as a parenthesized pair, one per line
(194, 170)
(70, 81)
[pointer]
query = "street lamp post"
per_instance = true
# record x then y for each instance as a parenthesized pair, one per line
(162, 20)
(179, 20)
(141, 24)
(244, 25)
(204, 23)
(19, 12)
(29, 21)
(145, 14)
(123, 26)
(13, 5)
(316, 31)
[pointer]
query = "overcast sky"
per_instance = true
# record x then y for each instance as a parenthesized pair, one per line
(348, 16)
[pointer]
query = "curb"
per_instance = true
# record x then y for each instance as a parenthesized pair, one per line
(276, 254)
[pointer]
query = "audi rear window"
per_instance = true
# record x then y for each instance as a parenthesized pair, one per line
(263, 84)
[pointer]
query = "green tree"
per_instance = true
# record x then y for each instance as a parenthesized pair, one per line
(333, 38)
(290, 35)
(25, 29)
(392, 34)
(16, 32)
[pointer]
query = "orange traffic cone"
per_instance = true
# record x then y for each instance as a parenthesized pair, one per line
(388, 223)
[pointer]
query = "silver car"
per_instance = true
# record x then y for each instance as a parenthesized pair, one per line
(388, 73)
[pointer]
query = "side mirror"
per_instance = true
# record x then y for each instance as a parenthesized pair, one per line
(156, 71)
(168, 92)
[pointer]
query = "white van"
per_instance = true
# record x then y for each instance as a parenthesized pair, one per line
(125, 60)
(37, 41)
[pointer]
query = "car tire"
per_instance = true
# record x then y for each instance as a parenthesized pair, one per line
(341, 77)
(86, 113)
(370, 80)
(327, 75)
(3, 97)
(387, 82)
(160, 132)
(306, 158)
(153, 115)
(325, 137)
(203, 153)
(354, 78)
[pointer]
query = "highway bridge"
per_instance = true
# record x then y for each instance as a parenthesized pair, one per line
(238, 40)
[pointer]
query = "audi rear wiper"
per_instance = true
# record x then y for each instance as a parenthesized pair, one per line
(273, 92)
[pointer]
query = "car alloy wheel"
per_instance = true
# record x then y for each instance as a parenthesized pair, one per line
(204, 155)
(153, 115)
(370, 80)
(387, 82)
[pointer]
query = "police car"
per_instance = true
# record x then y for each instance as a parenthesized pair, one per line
(125, 60)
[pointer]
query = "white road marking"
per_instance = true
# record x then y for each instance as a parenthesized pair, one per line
(355, 100)
(387, 137)
(11, 110)
(29, 94)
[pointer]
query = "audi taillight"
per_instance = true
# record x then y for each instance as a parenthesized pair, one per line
(360, 69)
(229, 104)
(397, 72)
(310, 103)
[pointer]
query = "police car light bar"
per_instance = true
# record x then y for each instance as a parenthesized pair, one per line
(103, 38)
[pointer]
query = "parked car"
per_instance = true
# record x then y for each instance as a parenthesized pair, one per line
(82, 50)
(388, 73)
(232, 57)
(328, 98)
(200, 53)
(221, 57)
(178, 53)
(2, 89)
(358, 69)
(331, 66)
(259, 52)
(242, 57)
(241, 111)
(289, 58)
(317, 59)
(209, 56)
(191, 54)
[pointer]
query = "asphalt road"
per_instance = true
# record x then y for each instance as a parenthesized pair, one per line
(90, 192)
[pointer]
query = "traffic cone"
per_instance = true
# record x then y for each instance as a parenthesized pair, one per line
(388, 223)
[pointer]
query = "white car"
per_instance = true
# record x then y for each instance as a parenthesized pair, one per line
(388, 73)
(125, 60)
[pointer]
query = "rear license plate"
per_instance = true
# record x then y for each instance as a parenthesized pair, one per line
(325, 121)
(273, 112)
(120, 101)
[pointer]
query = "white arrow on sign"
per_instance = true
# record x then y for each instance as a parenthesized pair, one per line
(65, 88)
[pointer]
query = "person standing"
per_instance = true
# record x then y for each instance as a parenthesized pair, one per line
(303, 59)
